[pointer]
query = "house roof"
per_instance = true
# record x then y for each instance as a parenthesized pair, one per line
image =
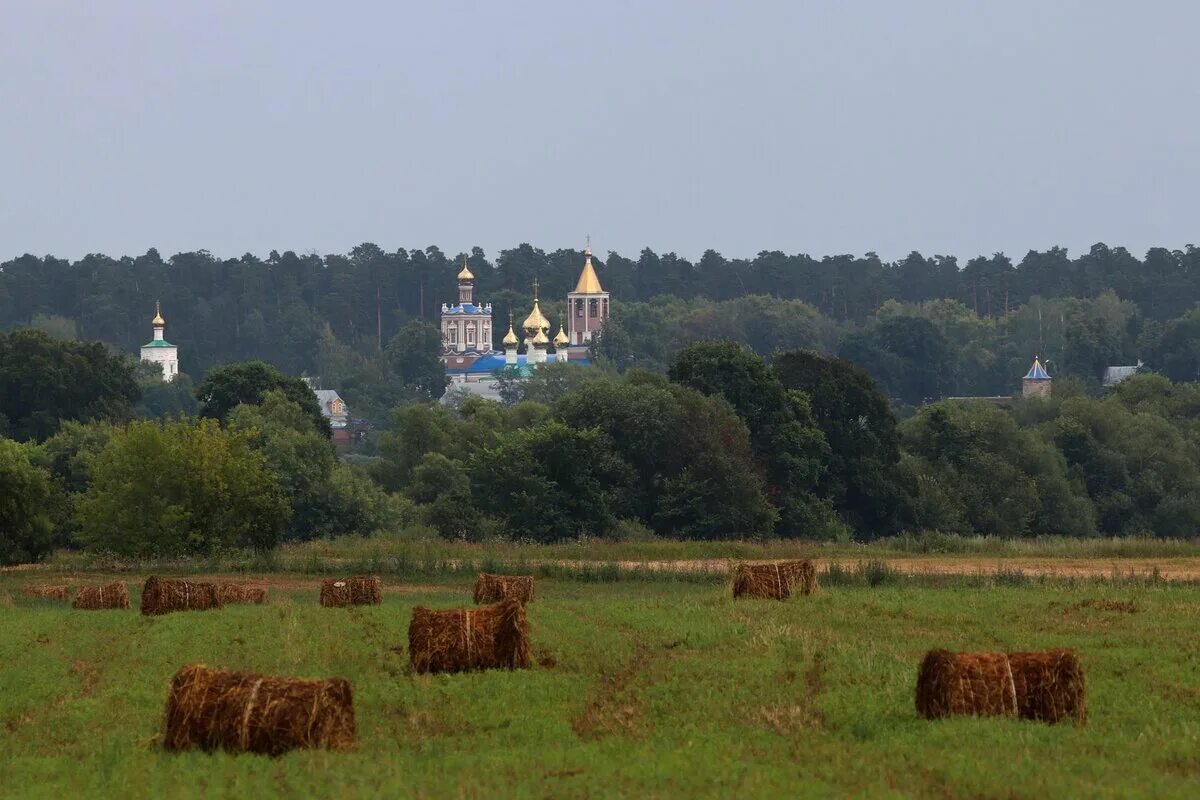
(490, 363)
(1114, 375)
(466, 308)
(158, 343)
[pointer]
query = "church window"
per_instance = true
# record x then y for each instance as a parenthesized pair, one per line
(592, 308)
(579, 308)
(470, 334)
(452, 335)
(605, 308)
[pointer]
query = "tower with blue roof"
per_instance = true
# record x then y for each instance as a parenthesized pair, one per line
(466, 326)
(1036, 382)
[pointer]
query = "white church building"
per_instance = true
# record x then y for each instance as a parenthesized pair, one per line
(160, 351)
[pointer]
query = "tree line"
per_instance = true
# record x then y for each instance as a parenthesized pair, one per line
(724, 444)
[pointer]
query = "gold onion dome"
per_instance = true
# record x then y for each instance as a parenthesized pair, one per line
(158, 320)
(510, 338)
(561, 337)
(465, 274)
(540, 338)
(536, 320)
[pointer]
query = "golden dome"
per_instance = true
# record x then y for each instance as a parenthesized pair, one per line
(510, 338)
(158, 320)
(465, 274)
(536, 320)
(561, 337)
(540, 338)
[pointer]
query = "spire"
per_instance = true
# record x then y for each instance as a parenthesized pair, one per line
(588, 282)
(158, 320)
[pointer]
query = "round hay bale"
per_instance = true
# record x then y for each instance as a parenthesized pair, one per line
(1045, 686)
(494, 588)
(462, 639)
(46, 591)
(211, 709)
(96, 598)
(243, 593)
(164, 595)
(776, 581)
(360, 590)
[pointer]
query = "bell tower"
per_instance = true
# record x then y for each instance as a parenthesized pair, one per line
(587, 305)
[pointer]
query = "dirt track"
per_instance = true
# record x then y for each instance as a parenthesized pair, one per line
(1169, 568)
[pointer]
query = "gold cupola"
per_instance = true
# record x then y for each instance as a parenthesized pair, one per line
(510, 338)
(158, 320)
(561, 338)
(588, 283)
(465, 274)
(536, 321)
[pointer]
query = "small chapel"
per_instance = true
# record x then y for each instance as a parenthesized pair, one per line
(467, 347)
(159, 351)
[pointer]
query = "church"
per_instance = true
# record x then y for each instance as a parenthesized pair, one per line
(467, 346)
(160, 351)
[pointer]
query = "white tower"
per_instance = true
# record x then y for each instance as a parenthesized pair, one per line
(160, 351)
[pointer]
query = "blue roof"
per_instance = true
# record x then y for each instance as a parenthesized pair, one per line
(491, 363)
(1036, 373)
(465, 308)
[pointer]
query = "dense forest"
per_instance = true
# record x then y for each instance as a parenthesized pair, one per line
(924, 327)
(778, 397)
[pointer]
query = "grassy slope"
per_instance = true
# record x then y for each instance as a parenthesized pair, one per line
(660, 687)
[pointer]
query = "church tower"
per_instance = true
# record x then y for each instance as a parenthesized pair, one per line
(588, 304)
(160, 351)
(1036, 382)
(466, 327)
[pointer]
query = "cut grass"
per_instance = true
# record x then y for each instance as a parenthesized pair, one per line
(659, 688)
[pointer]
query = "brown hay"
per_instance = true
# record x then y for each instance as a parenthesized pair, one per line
(775, 581)
(93, 598)
(1045, 686)
(164, 595)
(45, 591)
(494, 588)
(242, 593)
(246, 713)
(361, 590)
(461, 639)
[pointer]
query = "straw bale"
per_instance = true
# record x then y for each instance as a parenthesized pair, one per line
(1045, 686)
(164, 595)
(462, 639)
(776, 581)
(242, 593)
(212, 709)
(360, 590)
(110, 595)
(45, 591)
(494, 588)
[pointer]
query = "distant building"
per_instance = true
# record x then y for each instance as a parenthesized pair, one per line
(346, 429)
(160, 351)
(1114, 375)
(1036, 382)
(467, 348)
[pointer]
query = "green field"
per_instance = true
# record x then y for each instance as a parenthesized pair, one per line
(660, 688)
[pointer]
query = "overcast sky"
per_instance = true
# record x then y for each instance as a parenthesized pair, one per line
(821, 127)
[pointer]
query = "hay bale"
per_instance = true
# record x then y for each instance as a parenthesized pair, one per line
(212, 709)
(1045, 686)
(494, 588)
(461, 639)
(1050, 686)
(360, 590)
(164, 595)
(241, 593)
(45, 591)
(93, 598)
(776, 581)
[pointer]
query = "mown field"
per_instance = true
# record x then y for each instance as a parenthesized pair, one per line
(647, 687)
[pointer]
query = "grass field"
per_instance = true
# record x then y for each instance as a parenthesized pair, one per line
(659, 688)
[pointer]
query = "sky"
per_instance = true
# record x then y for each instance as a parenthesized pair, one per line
(953, 127)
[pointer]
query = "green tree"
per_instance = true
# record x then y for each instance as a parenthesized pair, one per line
(180, 488)
(26, 495)
(224, 388)
(416, 430)
(44, 382)
(415, 355)
(861, 478)
(550, 482)
(1177, 352)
